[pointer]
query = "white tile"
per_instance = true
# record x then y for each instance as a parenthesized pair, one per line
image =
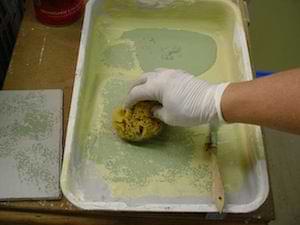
(30, 144)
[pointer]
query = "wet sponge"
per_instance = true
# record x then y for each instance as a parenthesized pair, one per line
(136, 124)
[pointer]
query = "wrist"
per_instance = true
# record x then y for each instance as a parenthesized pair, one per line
(218, 97)
(235, 102)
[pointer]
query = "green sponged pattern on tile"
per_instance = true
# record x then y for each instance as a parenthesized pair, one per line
(30, 135)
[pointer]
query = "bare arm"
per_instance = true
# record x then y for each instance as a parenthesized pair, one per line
(186, 101)
(272, 102)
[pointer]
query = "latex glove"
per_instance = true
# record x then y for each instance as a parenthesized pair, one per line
(186, 100)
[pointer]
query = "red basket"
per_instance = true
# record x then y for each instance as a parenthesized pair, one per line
(58, 12)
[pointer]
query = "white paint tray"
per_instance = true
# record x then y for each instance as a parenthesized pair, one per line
(120, 40)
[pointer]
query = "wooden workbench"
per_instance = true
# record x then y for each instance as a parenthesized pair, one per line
(45, 58)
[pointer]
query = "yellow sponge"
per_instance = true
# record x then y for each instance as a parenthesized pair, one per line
(136, 124)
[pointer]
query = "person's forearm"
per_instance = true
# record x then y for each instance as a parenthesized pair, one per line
(272, 102)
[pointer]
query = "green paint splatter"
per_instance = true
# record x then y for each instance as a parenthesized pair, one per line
(36, 124)
(178, 49)
(118, 55)
(31, 167)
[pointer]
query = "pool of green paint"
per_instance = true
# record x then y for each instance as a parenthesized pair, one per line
(162, 48)
(179, 49)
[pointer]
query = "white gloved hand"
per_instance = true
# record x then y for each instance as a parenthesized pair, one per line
(186, 101)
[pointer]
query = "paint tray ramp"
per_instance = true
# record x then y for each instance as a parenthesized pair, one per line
(122, 39)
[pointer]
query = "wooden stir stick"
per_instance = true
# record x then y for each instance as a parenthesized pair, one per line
(217, 183)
